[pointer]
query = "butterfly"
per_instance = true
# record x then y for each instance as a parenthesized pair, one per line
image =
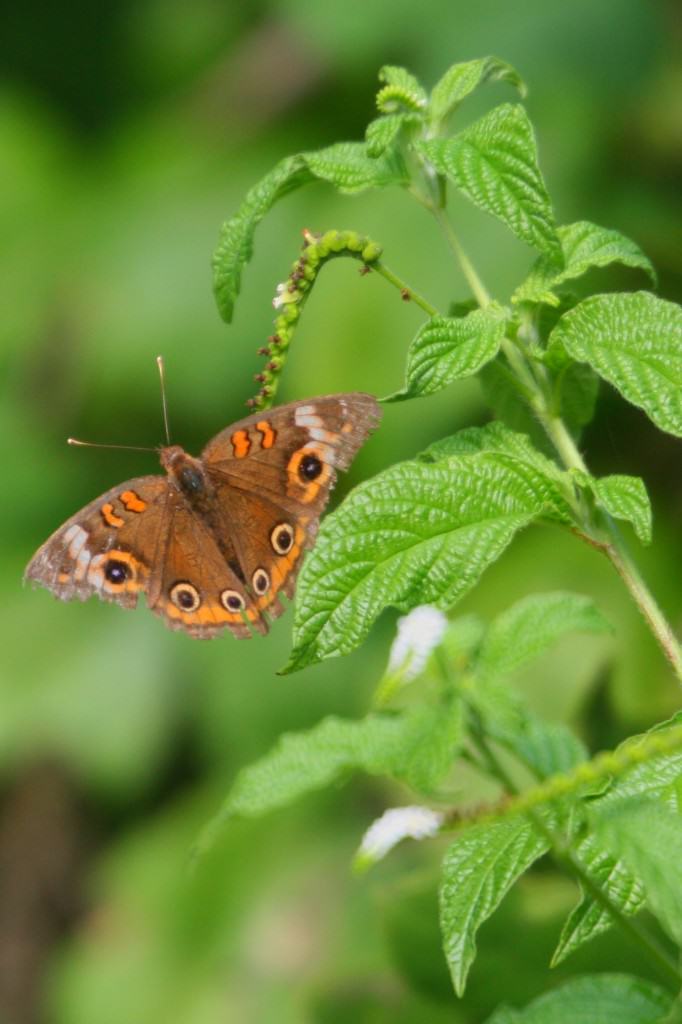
(214, 543)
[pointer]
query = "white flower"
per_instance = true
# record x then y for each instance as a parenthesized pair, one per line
(418, 634)
(395, 824)
(283, 296)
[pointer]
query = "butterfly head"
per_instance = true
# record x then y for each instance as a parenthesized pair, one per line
(186, 472)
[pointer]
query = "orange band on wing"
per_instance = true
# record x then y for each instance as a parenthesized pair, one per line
(133, 502)
(269, 435)
(210, 614)
(240, 444)
(307, 490)
(282, 568)
(109, 517)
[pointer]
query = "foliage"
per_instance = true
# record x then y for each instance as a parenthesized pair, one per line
(423, 531)
(125, 137)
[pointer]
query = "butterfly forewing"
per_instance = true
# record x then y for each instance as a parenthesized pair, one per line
(109, 547)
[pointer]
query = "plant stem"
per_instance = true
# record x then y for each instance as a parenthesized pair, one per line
(478, 289)
(648, 606)
(616, 553)
(569, 863)
(404, 289)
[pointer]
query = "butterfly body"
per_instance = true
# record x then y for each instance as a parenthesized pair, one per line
(214, 543)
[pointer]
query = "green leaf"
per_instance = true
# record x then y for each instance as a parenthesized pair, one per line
(235, 244)
(649, 840)
(383, 131)
(590, 918)
(416, 746)
(624, 497)
(584, 245)
(507, 399)
(461, 79)
(402, 91)
(532, 625)
(495, 437)
(479, 869)
(348, 166)
(446, 349)
(654, 779)
(546, 748)
(634, 341)
(437, 737)
(593, 999)
(419, 533)
(493, 163)
(577, 386)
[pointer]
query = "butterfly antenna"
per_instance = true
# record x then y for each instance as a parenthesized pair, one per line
(95, 444)
(162, 379)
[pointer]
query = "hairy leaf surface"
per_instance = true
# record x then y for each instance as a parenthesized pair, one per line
(532, 625)
(649, 840)
(585, 246)
(419, 533)
(446, 349)
(235, 244)
(634, 341)
(494, 163)
(593, 999)
(495, 437)
(624, 497)
(590, 918)
(416, 746)
(461, 79)
(479, 869)
(383, 131)
(402, 91)
(347, 165)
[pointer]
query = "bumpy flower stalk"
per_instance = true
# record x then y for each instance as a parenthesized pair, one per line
(292, 294)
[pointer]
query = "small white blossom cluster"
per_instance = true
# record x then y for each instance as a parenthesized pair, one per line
(419, 633)
(283, 295)
(397, 823)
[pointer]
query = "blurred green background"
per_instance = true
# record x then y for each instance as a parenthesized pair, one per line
(128, 132)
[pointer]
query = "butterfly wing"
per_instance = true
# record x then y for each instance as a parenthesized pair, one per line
(109, 547)
(272, 474)
(142, 537)
(220, 563)
(200, 590)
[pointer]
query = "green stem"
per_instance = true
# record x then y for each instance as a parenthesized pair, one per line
(648, 606)
(478, 289)
(566, 860)
(616, 553)
(404, 289)
(518, 364)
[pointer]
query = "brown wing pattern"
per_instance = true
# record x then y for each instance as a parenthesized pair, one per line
(274, 472)
(108, 547)
(219, 558)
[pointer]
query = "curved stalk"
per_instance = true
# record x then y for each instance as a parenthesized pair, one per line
(566, 860)
(409, 294)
